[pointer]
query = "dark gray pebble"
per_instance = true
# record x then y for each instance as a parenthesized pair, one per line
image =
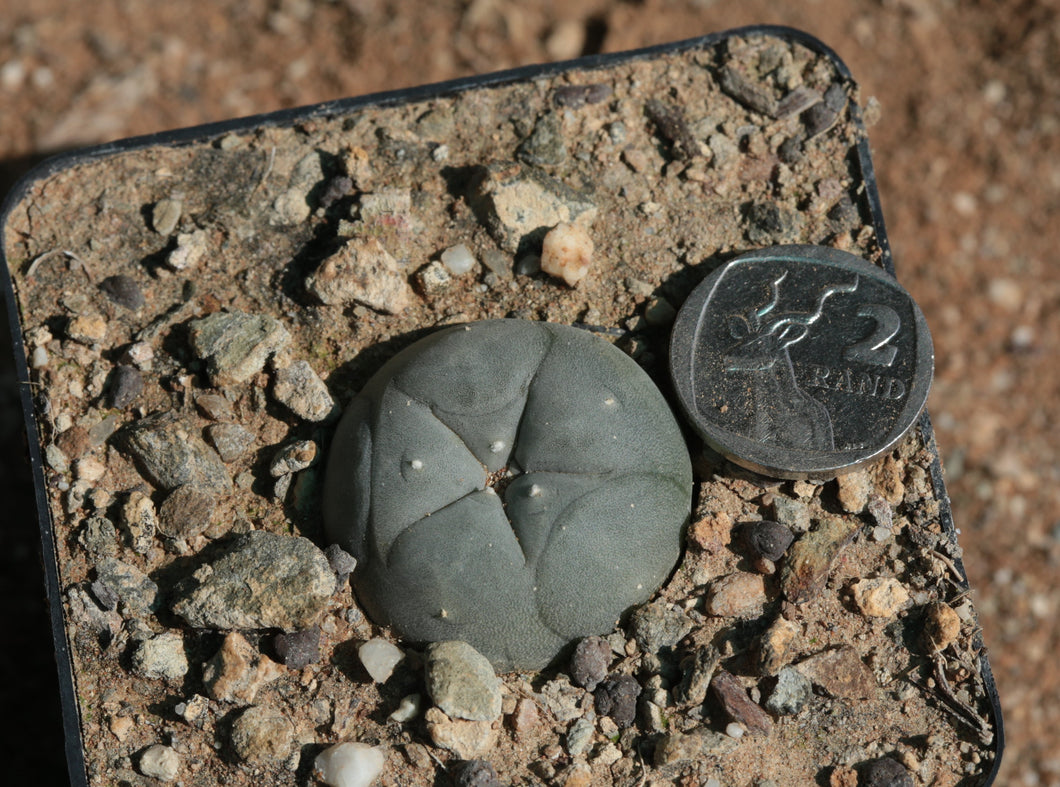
(790, 150)
(123, 290)
(617, 697)
(336, 189)
(104, 596)
(544, 147)
(477, 773)
(769, 539)
(885, 772)
(341, 562)
(126, 385)
(574, 96)
(299, 649)
(588, 665)
(771, 223)
(670, 123)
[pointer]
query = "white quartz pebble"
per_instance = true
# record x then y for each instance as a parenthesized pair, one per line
(567, 253)
(458, 259)
(379, 658)
(349, 764)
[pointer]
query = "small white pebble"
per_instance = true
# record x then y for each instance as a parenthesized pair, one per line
(349, 764)
(881, 533)
(379, 658)
(458, 259)
(40, 358)
(416, 464)
(408, 709)
(89, 469)
(535, 490)
(711, 782)
(160, 762)
(497, 446)
(610, 401)
(734, 730)
(567, 253)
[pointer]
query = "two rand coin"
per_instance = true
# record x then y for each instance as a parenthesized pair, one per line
(801, 361)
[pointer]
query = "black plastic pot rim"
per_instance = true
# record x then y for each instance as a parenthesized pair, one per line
(197, 134)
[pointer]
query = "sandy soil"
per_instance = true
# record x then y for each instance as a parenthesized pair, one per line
(965, 149)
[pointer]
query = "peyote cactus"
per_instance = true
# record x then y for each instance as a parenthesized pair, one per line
(512, 484)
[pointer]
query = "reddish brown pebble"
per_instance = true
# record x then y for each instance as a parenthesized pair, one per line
(525, 717)
(776, 647)
(588, 665)
(840, 672)
(73, 442)
(843, 776)
(810, 559)
(712, 532)
(942, 626)
(738, 705)
(739, 595)
(186, 512)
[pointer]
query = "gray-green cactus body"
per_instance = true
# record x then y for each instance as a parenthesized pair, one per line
(512, 484)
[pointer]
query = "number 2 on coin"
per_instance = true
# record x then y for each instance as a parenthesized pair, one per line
(875, 349)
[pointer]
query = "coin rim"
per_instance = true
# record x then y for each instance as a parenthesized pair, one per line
(782, 462)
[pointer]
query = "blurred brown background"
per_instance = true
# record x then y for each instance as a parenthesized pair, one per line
(967, 150)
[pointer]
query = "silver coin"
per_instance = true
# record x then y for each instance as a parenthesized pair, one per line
(801, 361)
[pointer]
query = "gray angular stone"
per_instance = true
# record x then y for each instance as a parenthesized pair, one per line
(98, 537)
(519, 204)
(161, 657)
(140, 521)
(362, 271)
(596, 486)
(657, 626)
(461, 682)
(230, 441)
(262, 735)
(795, 514)
(136, 590)
(126, 385)
(293, 458)
(771, 223)
(790, 695)
(236, 345)
(545, 146)
(579, 736)
(186, 512)
(292, 205)
(170, 454)
(262, 580)
(677, 747)
(301, 391)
